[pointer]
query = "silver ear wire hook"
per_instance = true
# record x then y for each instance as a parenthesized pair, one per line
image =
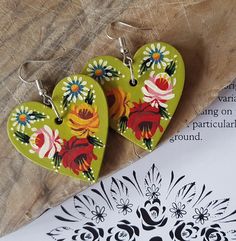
(47, 100)
(127, 59)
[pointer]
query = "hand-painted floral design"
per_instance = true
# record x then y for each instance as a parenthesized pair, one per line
(201, 215)
(23, 117)
(102, 72)
(74, 88)
(124, 206)
(152, 214)
(83, 120)
(177, 210)
(184, 231)
(103, 205)
(123, 231)
(45, 142)
(155, 56)
(77, 155)
(158, 90)
(99, 214)
(144, 120)
(119, 106)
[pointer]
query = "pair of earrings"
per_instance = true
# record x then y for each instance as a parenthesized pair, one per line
(67, 132)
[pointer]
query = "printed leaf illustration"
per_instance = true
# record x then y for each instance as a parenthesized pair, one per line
(69, 217)
(61, 233)
(186, 193)
(84, 205)
(217, 207)
(118, 190)
(153, 177)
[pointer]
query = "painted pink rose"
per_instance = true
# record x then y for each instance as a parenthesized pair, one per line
(158, 90)
(45, 141)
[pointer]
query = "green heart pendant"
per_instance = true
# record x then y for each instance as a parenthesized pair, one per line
(141, 112)
(74, 147)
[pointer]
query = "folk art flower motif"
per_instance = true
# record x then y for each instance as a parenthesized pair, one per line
(45, 142)
(118, 102)
(99, 214)
(102, 72)
(89, 232)
(152, 214)
(155, 56)
(74, 89)
(214, 232)
(184, 231)
(150, 218)
(83, 120)
(124, 206)
(119, 105)
(152, 192)
(201, 215)
(77, 155)
(124, 230)
(23, 117)
(158, 90)
(177, 210)
(144, 120)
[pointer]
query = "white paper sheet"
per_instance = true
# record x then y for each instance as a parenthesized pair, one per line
(184, 190)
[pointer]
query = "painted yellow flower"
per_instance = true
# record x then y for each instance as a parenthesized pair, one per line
(118, 102)
(83, 120)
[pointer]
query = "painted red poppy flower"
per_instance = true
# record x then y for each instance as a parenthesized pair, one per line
(77, 154)
(144, 120)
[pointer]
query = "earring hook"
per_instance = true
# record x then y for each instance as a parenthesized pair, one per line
(32, 61)
(112, 24)
(47, 100)
(127, 59)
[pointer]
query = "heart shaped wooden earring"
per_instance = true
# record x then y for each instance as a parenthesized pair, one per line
(142, 91)
(67, 132)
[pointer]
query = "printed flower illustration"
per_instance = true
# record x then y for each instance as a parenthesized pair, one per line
(201, 215)
(184, 231)
(102, 71)
(152, 214)
(155, 57)
(77, 155)
(158, 90)
(22, 117)
(144, 120)
(152, 192)
(123, 231)
(119, 106)
(86, 232)
(83, 120)
(124, 206)
(45, 141)
(74, 89)
(89, 232)
(177, 210)
(99, 214)
(214, 233)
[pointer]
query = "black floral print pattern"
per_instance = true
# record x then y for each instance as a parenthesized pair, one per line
(153, 209)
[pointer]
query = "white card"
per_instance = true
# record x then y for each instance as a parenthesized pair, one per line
(184, 190)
